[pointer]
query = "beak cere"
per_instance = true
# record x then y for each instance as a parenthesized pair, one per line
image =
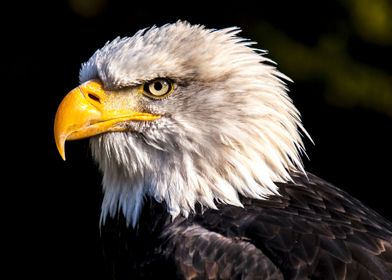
(87, 111)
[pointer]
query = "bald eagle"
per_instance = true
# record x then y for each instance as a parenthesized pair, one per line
(200, 150)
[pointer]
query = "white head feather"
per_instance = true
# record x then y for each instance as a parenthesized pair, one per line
(228, 128)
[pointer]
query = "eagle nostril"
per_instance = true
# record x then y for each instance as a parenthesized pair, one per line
(94, 97)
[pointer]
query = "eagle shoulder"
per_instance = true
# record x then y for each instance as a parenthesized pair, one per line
(312, 229)
(203, 254)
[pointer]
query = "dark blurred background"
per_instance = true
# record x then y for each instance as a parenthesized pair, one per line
(337, 52)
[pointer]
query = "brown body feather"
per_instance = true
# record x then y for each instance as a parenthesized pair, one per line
(312, 231)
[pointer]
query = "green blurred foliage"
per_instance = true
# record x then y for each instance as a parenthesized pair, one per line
(88, 8)
(347, 81)
(372, 19)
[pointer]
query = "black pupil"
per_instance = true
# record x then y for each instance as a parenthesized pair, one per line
(158, 86)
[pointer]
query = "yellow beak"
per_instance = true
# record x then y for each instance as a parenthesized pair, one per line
(87, 111)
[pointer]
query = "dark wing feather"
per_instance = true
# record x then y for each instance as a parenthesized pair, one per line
(312, 230)
(204, 254)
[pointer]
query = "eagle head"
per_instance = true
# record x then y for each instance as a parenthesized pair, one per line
(185, 115)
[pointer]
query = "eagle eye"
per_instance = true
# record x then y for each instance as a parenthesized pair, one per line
(158, 88)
